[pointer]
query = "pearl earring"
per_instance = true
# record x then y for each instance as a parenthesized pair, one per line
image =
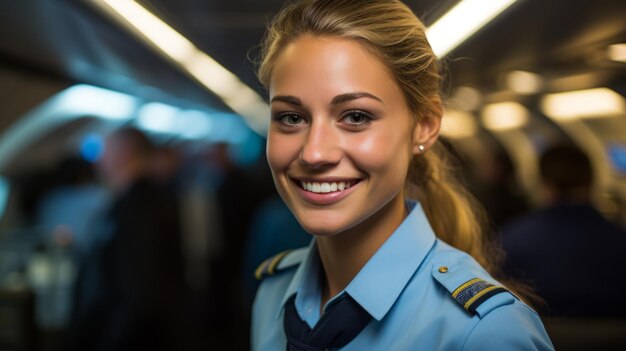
(421, 148)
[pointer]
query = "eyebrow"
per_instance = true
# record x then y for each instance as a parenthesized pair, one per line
(339, 99)
(292, 100)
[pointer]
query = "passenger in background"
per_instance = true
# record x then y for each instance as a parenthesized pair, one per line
(496, 188)
(165, 165)
(201, 240)
(67, 214)
(567, 250)
(239, 192)
(69, 209)
(137, 298)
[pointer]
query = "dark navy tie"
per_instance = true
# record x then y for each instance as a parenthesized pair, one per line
(341, 322)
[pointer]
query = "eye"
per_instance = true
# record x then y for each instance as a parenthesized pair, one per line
(289, 118)
(356, 118)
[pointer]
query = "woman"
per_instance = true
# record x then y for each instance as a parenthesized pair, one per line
(354, 92)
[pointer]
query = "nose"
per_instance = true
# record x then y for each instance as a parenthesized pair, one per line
(322, 146)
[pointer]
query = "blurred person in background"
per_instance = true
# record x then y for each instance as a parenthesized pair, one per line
(567, 250)
(131, 290)
(70, 208)
(496, 188)
(239, 191)
(67, 214)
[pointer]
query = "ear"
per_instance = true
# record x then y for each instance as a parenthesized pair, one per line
(426, 130)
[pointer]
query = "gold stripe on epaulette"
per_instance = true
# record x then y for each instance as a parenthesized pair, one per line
(258, 273)
(478, 295)
(473, 293)
(272, 267)
(458, 290)
(268, 267)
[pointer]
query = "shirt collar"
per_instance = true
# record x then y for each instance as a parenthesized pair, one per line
(391, 267)
(308, 271)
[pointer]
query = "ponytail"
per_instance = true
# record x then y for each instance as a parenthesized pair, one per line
(455, 215)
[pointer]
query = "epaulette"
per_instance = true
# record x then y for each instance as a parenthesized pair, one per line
(474, 294)
(278, 263)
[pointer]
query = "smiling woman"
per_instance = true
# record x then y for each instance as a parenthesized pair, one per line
(356, 111)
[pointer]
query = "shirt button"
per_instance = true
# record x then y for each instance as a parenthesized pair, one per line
(443, 269)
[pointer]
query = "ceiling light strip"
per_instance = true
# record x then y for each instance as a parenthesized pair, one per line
(585, 104)
(237, 95)
(461, 22)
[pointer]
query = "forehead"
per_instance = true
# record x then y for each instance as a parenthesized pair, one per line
(329, 64)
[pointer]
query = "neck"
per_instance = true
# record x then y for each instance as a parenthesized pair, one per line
(344, 254)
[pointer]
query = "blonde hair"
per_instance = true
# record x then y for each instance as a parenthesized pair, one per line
(397, 37)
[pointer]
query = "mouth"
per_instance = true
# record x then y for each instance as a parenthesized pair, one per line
(325, 187)
(325, 191)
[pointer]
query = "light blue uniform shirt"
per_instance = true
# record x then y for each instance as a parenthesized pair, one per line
(409, 297)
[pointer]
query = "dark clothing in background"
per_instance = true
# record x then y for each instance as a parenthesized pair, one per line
(501, 202)
(238, 196)
(140, 276)
(574, 258)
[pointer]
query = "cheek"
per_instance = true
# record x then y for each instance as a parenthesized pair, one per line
(281, 151)
(383, 152)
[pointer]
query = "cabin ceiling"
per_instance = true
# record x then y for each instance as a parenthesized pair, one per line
(69, 41)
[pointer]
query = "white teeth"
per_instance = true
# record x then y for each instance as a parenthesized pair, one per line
(324, 187)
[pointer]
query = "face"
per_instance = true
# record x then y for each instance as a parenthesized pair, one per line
(341, 135)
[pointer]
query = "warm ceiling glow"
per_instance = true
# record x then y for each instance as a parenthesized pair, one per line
(457, 124)
(466, 98)
(576, 81)
(504, 116)
(198, 64)
(461, 22)
(591, 103)
(523, 82)
(617, 52)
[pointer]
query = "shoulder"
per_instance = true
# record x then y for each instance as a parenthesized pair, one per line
(286, 260)
(513, 326)
(500, 318)
(467, 283)
(276, 273)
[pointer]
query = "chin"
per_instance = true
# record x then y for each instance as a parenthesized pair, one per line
(318, 229)
(325, 227)
(321, 231)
